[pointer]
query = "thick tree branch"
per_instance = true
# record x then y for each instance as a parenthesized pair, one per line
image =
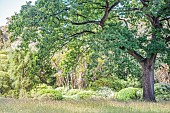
(133, 53)
(167, 18)
(152, 58)
(113, 5)
(124, 21)
(104, 18)
(136, 55)
(133, 9)
(86, 22)
(154, 21)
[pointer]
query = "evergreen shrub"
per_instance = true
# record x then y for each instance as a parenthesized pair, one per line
(130, 93)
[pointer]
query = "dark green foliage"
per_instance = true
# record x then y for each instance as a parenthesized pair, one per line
(129, 94)
(162, 91)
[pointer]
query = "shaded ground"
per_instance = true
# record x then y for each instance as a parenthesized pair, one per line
(84, 106)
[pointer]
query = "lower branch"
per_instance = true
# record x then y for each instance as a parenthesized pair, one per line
(136, 55)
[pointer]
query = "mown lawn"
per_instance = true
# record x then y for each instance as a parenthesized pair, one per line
(83, 106)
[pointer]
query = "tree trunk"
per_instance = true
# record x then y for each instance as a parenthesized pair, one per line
(148, 80)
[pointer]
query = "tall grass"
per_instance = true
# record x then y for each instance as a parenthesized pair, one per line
(83, 106)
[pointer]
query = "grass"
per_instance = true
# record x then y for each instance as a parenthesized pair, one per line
(83, 106)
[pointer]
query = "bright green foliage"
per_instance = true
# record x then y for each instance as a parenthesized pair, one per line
(18, 69)
(129, 94)
(44, 92)
(50, 94)
(64, 90)
(5, 83)
(16, 78)
(133, 82)
(162, 91)
(86, 94)
(111, 82)
(72, 92)
(5, 80)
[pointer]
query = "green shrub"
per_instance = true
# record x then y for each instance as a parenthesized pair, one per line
(3, 56)
(139, 94)
(105, 92)
(112, 82)
(72, 92)
(43, 91)
(23, 94)
(72, 97)
(76, 94)
(63, 90)
(5, 83)
(86, 94)
(11, 94)
(133, 82)
(129, 94)
(43, 86)
(3, 52)
(50, 94)
(162, 91)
